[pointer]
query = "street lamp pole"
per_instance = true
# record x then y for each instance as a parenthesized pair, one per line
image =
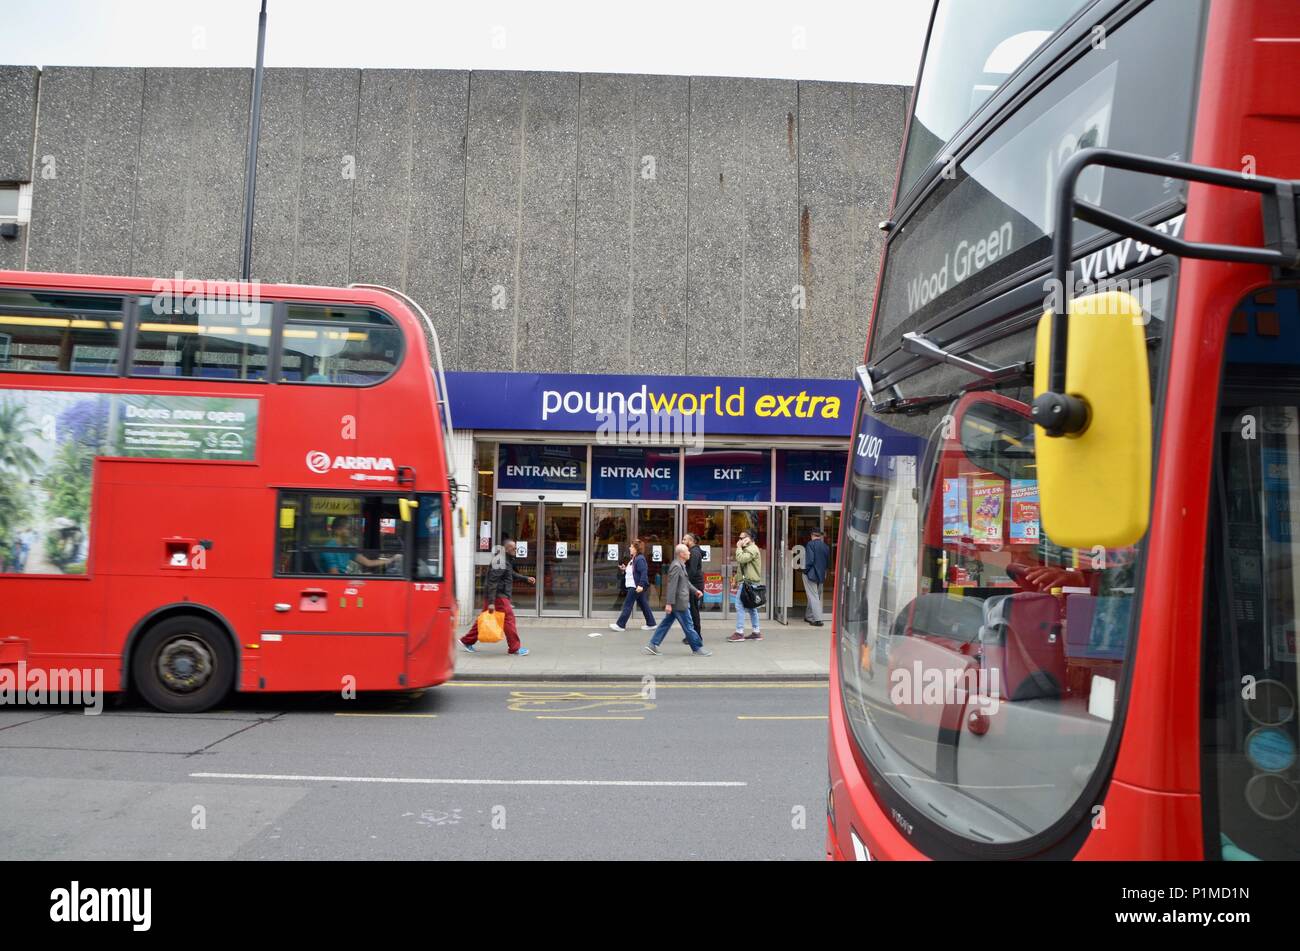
(254, 131)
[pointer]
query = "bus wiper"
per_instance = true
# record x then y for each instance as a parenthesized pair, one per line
(897, 404)
(914, 404)
(922, 346)
(918, 404)
(919, 345)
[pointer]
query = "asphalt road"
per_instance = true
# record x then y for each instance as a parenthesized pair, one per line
(465, 771)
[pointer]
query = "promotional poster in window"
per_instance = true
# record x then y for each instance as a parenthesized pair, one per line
(48, 445)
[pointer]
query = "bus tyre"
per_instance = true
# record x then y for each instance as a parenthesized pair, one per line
(184, 664)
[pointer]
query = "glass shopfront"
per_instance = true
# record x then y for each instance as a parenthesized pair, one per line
(573, 508)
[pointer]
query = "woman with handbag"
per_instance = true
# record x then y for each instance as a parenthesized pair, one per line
(750, 594)
(638, 581)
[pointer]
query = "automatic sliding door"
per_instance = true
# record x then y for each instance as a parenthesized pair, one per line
(610, 533)
(520, 521)
(755, 522)
(560, 559)
(656, 527)
(707, 524)
(803, 520)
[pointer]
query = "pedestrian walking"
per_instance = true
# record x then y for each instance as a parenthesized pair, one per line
(749, 568)
(26, 542)
(816, 564)
(498, 589)
(695, 574)
(638, 580)
(678, 595)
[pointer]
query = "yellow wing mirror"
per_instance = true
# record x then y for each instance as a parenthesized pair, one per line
(1092, 410)
(406, 506)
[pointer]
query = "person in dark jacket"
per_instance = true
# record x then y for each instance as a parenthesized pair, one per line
(695, 575)
(638, 580)
(816, 565)
(498, 588)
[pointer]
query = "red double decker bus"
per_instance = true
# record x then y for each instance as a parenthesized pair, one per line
(207, 486)
(1066, 611)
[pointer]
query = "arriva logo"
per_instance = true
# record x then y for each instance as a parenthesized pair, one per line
(321, 463)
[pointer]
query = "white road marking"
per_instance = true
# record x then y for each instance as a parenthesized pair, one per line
(419, 781)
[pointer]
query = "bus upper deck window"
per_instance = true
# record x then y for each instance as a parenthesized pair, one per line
(213, 338)
(343, 346)
(52, 332)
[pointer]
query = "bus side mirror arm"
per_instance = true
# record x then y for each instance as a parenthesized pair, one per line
(1060, 413)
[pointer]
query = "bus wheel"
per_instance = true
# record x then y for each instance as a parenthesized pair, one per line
(184, 664)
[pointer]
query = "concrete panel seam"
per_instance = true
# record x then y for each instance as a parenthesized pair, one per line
(577, 174)
(36, 137)
(135, 183)
(297, 197)
(410, 176)
(352, 183)
(516, 292)
(464, 203)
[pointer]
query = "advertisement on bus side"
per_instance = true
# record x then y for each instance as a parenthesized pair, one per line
(48, 444)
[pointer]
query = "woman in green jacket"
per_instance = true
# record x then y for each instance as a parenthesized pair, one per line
(749, 567)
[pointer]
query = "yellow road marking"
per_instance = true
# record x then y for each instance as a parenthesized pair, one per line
(820, 716)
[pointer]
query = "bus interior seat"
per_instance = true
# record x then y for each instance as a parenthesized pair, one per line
(1022, 637)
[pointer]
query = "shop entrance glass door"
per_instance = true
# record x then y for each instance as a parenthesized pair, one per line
(801, 522)
(717, 529)
(796, 524)
(549, 538)
(612, 528)
(610, 533)
(656, 527)
(561, 560)
(708, 525)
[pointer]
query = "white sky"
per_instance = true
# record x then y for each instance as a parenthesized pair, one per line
(875, 41)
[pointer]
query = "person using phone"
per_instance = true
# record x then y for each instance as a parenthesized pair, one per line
(749, 568)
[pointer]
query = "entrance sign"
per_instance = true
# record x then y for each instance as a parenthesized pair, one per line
(631, 472)
(536, 466)
(561, 550)
(611, 553)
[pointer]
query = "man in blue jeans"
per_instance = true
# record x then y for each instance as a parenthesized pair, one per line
(678, 592)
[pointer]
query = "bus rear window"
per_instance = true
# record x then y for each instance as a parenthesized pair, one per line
(55, 333)
(344, 346)
(214, 339)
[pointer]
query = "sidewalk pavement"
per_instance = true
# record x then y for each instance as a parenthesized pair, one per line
(586, 649)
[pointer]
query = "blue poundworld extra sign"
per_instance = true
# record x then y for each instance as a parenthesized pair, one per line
(580, 402)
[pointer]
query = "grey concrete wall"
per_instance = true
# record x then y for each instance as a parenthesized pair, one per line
(18, 85)
(17, 121)
(547, 221)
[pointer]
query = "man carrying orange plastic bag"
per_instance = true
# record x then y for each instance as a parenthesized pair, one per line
(498, 587)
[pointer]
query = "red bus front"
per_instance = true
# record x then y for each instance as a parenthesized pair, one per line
(213, 485)
(995, 694)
